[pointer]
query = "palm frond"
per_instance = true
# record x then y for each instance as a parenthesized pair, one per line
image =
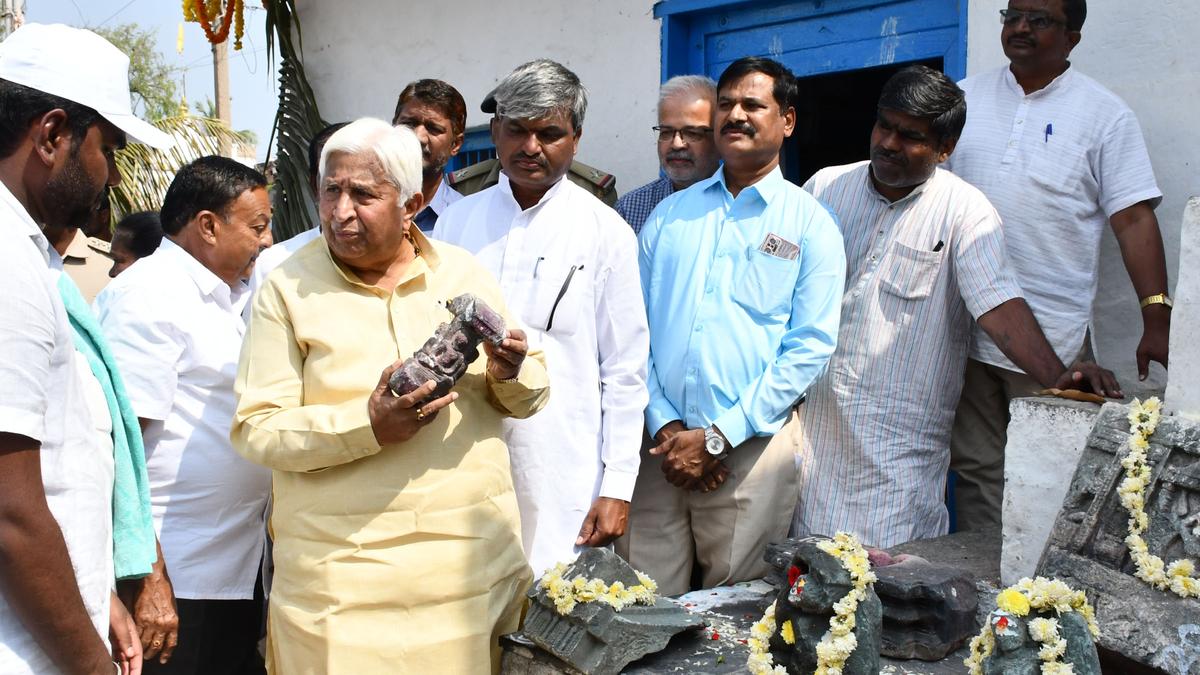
(296, 121)
(146, 173)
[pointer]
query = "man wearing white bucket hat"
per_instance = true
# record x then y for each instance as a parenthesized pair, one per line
(64, 111)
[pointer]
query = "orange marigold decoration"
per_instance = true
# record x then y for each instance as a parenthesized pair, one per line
(204, 11)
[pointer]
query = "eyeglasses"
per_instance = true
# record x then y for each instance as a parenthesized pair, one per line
(1038, 21)
(688, 134)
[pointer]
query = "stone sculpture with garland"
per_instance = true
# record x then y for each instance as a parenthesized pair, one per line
(827, 620)
(1039, 626)
(598, 614)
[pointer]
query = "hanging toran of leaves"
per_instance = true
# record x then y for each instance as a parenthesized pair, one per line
(204, 12)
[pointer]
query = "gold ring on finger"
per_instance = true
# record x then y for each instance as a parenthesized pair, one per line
(420, 413)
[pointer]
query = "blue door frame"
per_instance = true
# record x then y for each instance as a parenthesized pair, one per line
(811, 37)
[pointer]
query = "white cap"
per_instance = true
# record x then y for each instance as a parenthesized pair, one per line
(80, 66)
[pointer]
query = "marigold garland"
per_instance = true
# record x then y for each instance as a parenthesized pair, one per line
(566, 593)
(1033, 595)
(202, 11)
(1179, 576)
(839, 641)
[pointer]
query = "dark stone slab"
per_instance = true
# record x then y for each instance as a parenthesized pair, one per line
(595, 639)
(929, 610)
(1087, 546)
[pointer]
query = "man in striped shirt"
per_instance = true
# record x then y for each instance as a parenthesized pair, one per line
(925, 254)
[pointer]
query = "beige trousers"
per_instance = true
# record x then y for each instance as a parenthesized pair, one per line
(978, 439)
(725, 531)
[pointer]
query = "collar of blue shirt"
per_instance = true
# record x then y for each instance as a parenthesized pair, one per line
(765, 189)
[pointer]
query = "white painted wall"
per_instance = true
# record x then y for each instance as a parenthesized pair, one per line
(359, 54)
(1146, 55)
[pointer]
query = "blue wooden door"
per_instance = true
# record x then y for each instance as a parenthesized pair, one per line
(812, 37)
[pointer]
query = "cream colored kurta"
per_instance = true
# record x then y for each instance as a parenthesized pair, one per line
(402, 559)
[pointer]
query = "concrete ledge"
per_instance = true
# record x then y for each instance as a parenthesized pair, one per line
(1183, 395)
(1046, 437)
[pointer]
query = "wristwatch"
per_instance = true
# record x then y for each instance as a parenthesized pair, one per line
(1157, 299)
(715, 443)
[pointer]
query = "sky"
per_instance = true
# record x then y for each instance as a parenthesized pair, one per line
(252, 82)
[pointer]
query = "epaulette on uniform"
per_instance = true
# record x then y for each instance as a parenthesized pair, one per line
(602, 180)
(467, 173)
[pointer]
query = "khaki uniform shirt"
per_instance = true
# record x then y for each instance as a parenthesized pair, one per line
(87, 262)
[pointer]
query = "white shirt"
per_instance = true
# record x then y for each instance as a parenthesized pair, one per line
(42, 397)
(274, 255)
(443, 197)
(877, 423)
(176, 331)
(586, 442)
(1056, 164)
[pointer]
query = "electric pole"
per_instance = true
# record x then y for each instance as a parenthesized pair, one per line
(221, 90)
(12, 16)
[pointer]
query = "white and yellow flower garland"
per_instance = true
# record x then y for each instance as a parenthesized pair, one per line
(839, 641)
(1019, 600)
(1178, 577)
(566, 593)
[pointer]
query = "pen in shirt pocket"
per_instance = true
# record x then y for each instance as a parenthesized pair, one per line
(938, 246)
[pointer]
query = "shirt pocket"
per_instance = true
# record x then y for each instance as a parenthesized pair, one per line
(1060, 167)
(908, 273)
(557, 296)
(764, 286)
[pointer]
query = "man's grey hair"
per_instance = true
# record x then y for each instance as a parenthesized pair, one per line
(695, 86)
(539, 89)
(395, 148)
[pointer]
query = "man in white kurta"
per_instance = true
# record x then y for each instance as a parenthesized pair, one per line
(174, 322)
(567, 264)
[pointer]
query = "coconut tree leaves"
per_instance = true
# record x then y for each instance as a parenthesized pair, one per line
(146, 173)
(296, 121)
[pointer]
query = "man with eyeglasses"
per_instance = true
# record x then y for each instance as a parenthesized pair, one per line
(568, 267)
(686, 150)
(1059, 156)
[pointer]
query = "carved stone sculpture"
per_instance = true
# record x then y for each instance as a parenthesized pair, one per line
(445, 357)
(810, 605)
(1016, 652)
(1087, 547)
(594, 638)
(929, 609)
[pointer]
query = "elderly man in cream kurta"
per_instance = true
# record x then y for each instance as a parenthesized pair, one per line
(397, 541)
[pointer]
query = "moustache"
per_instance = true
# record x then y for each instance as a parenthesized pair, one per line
(743, 127)
(680, 154)
(1022, 40)
(522, 157)
(892, 157)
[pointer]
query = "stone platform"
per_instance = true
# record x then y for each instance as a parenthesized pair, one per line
(730, 611)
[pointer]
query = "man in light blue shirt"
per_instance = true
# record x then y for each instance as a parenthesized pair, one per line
(743, 275)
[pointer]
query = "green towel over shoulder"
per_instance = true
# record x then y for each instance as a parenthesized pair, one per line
(134, 548)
